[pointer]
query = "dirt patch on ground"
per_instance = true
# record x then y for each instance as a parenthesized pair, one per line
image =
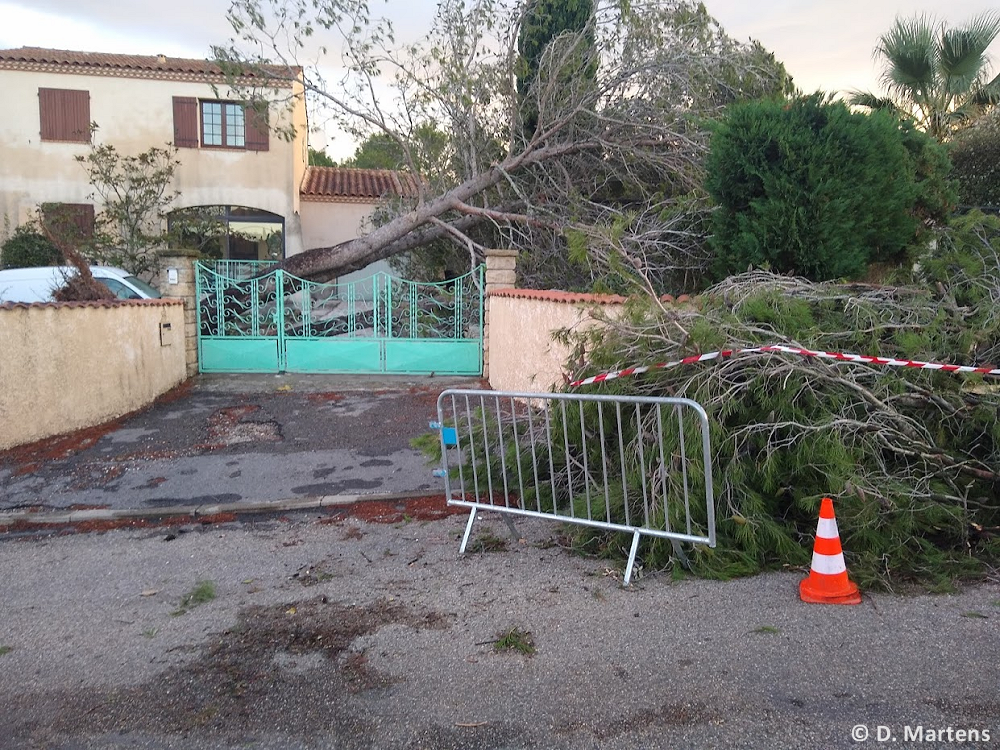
(231, 425)
(430, 508)
(27, 459)
(681, 714)
(237, 682)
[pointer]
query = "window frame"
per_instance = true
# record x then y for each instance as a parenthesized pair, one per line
(232, 130)
(190, 125)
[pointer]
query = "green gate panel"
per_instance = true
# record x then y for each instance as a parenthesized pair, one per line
(239, 355)
(254, 319)
(424, 356)
(323, 355)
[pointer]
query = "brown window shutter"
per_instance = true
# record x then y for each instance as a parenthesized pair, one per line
(48, 114)
(256, 130)
(64, 115)
(185, 122)
(69, 222)
(84, 217)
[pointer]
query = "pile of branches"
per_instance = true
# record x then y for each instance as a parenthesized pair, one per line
(911, 457)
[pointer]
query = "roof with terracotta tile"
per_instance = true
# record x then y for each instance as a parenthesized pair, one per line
(110, 64)
(344, 183)
(106, 303)
(554, 295)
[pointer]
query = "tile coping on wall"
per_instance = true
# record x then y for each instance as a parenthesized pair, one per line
(554, 295)
(106, 303)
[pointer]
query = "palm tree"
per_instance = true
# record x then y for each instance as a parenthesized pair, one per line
(937, 75)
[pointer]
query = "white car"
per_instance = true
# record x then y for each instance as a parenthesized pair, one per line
(38, 284)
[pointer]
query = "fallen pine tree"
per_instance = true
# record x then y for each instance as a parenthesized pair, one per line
(910, 456)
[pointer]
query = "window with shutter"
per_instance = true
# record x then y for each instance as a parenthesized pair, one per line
(185, 122)
(230, 125)
(64, 115)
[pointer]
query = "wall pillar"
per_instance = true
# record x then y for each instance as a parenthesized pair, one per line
(501, 273)
(176, 278)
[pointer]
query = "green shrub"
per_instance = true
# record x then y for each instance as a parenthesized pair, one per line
(28, 248)
(810, 187)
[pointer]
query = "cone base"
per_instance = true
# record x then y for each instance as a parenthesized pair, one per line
(810, 595)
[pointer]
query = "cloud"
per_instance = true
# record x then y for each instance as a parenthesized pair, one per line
(182, 28)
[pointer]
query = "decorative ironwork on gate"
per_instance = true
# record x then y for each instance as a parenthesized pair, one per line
(255, 318)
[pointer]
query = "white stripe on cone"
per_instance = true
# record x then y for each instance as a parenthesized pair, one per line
(827, 528)
(828, 565)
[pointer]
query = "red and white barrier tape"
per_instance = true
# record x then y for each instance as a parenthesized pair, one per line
(839, 356)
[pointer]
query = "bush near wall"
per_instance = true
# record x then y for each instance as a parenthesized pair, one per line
(27, 248)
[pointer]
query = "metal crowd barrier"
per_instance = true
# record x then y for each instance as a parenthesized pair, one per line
(621, 463)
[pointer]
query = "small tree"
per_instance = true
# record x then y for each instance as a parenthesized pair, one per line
(419, 151)
(936, 74)
(134, 193)
(320, 158)
(813, 188)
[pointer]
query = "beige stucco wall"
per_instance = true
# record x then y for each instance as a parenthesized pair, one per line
(326, 223)
(133, 115)
(66, 366)
(523, 355)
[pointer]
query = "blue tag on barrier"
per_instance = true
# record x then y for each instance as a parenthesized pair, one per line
(448, 434)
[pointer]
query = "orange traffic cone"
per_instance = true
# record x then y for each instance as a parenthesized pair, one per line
(828, 582)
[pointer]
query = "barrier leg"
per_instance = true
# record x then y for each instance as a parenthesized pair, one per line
(511, 528)
(468, 530)
(631, 558)
(679, 554)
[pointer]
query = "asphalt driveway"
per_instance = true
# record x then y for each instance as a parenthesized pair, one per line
(237, 441)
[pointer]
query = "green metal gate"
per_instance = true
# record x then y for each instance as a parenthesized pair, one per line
(256, 318)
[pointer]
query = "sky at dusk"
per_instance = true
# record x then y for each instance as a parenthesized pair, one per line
(825, 44)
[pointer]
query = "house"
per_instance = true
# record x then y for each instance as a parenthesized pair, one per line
(253, 197)
(254, 188)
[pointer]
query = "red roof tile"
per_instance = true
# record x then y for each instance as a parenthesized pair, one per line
(107, 303)
(554, 295)
(332, 183)
(102, 63)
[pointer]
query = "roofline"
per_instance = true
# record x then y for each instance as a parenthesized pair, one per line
(394, 178)
(110, 69)
(366, 199)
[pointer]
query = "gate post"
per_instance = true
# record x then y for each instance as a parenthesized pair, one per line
(501, 273)
(176, 278)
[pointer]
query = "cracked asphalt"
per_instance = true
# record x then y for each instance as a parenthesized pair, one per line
(237, 438)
